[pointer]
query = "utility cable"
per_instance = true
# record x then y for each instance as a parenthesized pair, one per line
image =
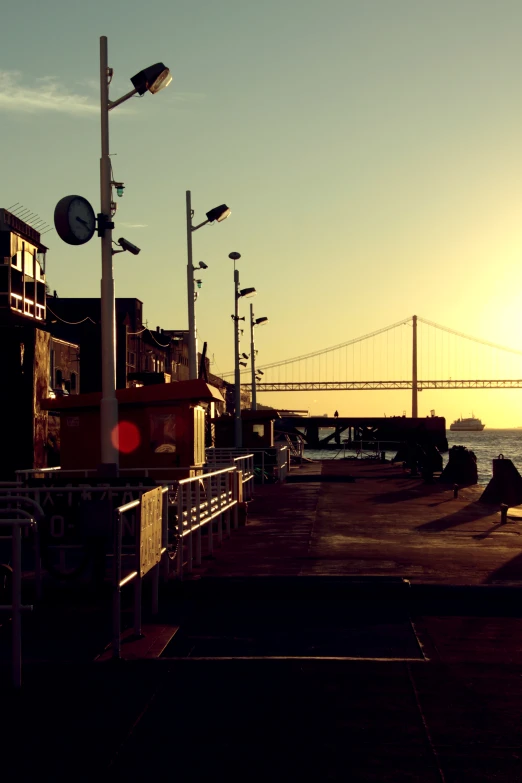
(71, 323)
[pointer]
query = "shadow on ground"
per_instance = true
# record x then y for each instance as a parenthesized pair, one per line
(469, 513)
(509, 572)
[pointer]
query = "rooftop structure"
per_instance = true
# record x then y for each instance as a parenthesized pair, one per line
(22, 270)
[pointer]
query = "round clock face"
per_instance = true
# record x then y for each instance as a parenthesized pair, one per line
(74, 220)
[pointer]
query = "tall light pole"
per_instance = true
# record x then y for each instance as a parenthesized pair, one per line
(253, 323)
(217, 214)
(238, 293)
(153, 79)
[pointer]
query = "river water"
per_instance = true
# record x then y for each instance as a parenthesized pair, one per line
(486, 445)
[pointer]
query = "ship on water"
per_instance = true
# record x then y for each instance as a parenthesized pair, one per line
(471, 424)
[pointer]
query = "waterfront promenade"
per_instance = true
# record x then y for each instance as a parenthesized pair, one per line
(362, 626)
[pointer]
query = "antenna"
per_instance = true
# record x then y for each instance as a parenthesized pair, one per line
(31, 218)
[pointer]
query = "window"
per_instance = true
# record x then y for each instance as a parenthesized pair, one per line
(58, 379)
(162, 432)
(73, 381)
(259, 429)
(131, 358)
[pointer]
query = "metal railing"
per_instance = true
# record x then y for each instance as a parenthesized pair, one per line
(16, 607)
(201, 500)
(270, 463)
(242, 460)
(137, 574)
(14, 501)
(24, 475)
(296, 447)
(366, 449)
(41, 494)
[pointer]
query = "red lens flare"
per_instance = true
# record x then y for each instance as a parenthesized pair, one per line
(126, 437)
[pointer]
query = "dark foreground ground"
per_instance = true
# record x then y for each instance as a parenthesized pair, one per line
(362, 630)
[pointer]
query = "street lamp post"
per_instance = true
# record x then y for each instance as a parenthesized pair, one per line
(153, 79)
(253, 323)
(238, 293)
(109, 403)
(217, 214)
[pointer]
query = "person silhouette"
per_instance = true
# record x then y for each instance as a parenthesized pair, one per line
(336, 415)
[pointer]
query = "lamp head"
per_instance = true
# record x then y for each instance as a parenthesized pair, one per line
(218, 213)
(234, 256)
(260, 321)
(154, 78)
(244, 355)
(243, 364)
(261, 372)
(247, 292)
(199, 283)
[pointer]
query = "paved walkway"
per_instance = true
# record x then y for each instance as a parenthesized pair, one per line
(383, 523)
(385, 681)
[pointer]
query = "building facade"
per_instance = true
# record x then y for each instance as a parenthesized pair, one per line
(24, 345)
(143, 355)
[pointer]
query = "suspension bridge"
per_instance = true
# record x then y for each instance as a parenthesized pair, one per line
(414, 354)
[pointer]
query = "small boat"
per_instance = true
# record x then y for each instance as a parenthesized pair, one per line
(467, 425)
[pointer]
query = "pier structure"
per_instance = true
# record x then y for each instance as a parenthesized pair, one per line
(386, 433)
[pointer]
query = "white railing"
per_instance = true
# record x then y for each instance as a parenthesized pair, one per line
(137, 574)
(13, 501)
(273, 462)
(200, 501)
(365, 449)
(283, 462)
(42, 494)
(242, 460)
(16, 607)
(296, 447)
(24, 475)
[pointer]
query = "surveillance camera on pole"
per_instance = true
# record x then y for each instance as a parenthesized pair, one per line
(126, 245)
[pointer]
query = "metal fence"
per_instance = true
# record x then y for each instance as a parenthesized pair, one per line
(60, 523)
(201, 502)
(243, 461)
(269, 464)
(16, 519)
(152, 512)
(173, 473)
(198, 507)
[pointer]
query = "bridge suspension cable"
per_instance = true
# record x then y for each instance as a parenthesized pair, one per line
(467, 336)
(331, 348)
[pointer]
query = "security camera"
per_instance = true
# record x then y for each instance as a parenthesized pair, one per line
(126, 245)
(202, 265)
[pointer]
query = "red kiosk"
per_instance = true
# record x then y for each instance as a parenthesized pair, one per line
(161, 428)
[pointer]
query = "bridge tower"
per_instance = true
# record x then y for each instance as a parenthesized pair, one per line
(414, 388)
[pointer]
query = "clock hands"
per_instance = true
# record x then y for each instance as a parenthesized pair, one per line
(81, 220)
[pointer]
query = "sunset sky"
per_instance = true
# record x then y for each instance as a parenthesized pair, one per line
(370, 151)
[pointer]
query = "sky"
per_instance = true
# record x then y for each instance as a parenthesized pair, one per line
(370, 152)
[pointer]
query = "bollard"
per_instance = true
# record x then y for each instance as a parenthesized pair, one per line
(455, 490)
(506, 484)
(383, 457)
(503, 513)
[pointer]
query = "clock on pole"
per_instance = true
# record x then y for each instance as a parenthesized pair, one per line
(74, 220)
